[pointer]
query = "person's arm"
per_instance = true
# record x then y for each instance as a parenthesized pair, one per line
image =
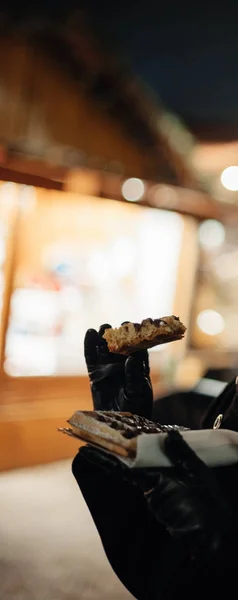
(198, 411)
(161, 542)
(161, 529)
(132, 540)
(188, 409)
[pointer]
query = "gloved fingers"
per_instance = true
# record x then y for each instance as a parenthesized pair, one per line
(134, 376)
(146, 363)
(89, 460)
(143, 356)
(105, 371)
(98, 457)
(103, 328)
(191, 467)
(182, 456)
(90, 348)
(168, 499)
(102, 344)
(103, 353)
(199, 478)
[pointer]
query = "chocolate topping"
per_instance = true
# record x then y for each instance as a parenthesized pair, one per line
(115, 425)
(158, 322)
(130, 433)
(145, 321)
(130, 425)
(101, 418)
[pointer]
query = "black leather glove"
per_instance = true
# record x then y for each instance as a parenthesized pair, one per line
(185, 499)
(189, 501)
(118, 382)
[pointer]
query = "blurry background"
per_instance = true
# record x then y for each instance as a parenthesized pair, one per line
(118, 201)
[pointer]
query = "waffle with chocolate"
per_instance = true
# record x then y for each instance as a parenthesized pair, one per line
(131, 337)
(114, 431)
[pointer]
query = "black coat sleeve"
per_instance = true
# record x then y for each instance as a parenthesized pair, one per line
(182, 408)
(137, 547)
(151, 564)
(198, 411)
(127, 530)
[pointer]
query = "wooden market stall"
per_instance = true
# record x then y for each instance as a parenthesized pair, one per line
(73, 128)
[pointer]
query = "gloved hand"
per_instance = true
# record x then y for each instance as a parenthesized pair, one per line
(185, 499)
(188, 501)
(118, 382)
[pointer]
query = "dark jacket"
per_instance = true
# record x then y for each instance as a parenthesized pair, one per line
(146, 559)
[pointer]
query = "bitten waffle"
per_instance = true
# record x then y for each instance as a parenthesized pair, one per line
(131, 337)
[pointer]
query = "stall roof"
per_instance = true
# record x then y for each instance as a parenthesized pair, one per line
(67, 39)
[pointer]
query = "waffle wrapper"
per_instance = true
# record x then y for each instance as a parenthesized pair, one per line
(215, 447)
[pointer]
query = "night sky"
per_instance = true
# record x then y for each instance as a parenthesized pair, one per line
(186, 55)
(189, 57)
